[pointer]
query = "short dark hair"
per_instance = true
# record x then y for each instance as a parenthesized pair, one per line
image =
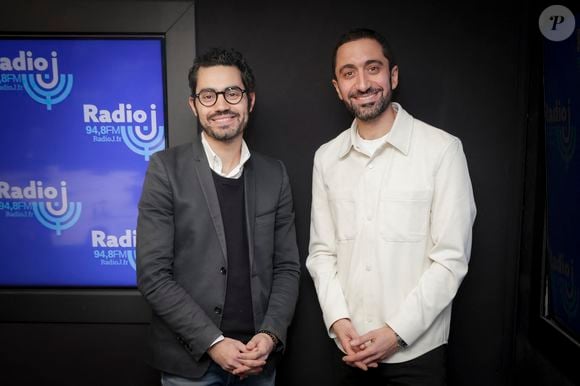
(222, 57)
(364, 33)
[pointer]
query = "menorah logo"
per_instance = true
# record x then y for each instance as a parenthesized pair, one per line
(58, 216)
(142, 139)
(132, 257)
(567, 142)
(563, 282)
(567, 292)
(571, 295)
(48, 89)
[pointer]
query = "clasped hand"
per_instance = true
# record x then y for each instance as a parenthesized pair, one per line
(242, 359)
(364, 351)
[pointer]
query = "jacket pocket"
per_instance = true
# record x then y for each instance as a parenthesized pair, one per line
(404, 215)
(344, 214)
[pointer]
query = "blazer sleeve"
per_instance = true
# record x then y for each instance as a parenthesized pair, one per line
(155, 255)
(286, 265)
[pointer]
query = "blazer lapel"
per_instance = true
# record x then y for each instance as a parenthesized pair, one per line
(208, 188)
(250, 201)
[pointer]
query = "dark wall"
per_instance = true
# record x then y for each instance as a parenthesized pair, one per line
(463, 68)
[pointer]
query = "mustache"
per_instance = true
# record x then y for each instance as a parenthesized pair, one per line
(370, 90)
(223, 112)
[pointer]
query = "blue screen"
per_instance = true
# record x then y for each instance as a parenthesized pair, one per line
(561, 113)
(80, 118)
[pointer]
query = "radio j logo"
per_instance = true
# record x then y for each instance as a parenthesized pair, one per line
(559, 126)
(49, 205)
(138, 129)
(115, 250)
(563, 275)
(39, 77)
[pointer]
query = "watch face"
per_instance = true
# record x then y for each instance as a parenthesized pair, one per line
(401, 342)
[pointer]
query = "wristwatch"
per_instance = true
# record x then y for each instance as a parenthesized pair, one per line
(400, 342)
(272, 336)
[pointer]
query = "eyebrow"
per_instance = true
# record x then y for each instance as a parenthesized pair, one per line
(374, 61)
(367, 63)
(224, 89)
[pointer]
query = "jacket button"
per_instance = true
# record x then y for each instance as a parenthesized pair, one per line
(223, 270)
(217, 310)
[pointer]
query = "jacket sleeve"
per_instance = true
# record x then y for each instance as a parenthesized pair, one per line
(155, 254)
(286, 265)
(322, 258)
(452, 216)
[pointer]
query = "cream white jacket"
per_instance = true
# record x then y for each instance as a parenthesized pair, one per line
(390, 235)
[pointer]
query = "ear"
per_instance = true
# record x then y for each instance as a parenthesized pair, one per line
(395, 77)
(251, 100)
(191, 102)
(335, 84)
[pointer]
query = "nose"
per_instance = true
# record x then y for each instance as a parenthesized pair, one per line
(221, 103)
(362, 83)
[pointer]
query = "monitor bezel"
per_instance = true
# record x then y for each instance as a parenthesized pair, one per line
(174, 22)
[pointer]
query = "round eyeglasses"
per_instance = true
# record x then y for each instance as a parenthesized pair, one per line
(209, 97)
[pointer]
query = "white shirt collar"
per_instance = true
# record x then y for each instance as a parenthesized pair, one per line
(215, 162)
(399, 135)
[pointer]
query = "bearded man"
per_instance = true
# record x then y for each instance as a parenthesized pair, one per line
(391, 225)
(217, 256)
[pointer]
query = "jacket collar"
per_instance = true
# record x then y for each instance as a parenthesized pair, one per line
(399, 138)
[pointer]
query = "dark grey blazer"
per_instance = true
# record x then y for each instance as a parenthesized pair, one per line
(181, 254)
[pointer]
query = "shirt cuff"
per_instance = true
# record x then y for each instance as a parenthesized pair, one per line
(218, 339)
(404, 328)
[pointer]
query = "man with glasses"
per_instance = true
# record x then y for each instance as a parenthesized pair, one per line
(216, 245)
(392, 216)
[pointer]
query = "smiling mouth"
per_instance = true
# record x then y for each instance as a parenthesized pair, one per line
(223, 118)
(368, 97)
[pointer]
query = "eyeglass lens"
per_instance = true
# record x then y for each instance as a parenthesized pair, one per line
(232, 95)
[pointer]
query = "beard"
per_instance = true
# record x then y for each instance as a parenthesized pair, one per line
(369, 111)
(224, 133)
